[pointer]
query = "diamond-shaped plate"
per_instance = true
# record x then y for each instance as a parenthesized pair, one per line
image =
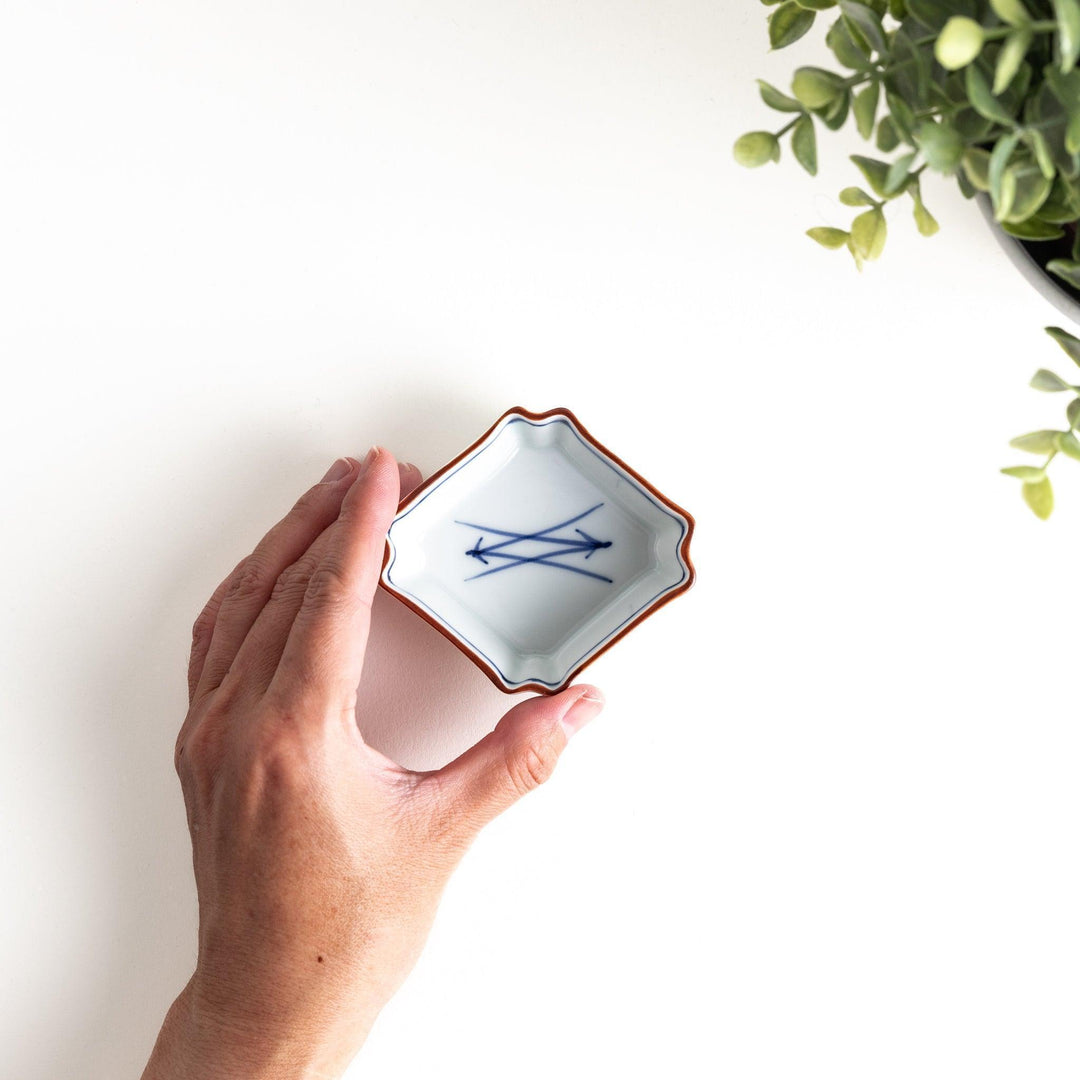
(536, 549)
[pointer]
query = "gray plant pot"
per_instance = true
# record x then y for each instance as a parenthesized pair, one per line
(1053, 289)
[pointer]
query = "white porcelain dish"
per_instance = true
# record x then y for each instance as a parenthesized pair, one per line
(536, 549)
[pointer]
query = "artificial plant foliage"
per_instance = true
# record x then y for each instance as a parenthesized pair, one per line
(1034, 483)
(986, 91)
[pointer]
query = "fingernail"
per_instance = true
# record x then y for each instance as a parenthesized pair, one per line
(338, 471)
(582, 711)
(369, 459)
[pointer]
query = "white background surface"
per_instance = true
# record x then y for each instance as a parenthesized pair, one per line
(827, 825)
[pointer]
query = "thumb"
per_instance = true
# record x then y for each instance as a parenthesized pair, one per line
(519, 755)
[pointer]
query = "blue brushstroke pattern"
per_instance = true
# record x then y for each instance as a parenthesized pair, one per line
(565, 545)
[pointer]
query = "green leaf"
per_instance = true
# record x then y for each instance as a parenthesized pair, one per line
(960, 41)
(1048, 381)
(1019, 87)
(887, 137)
(776, 100)
(844, 48)
(999, 160)
(864, 106)
(1070, 344)
(1066, 269)
(828, 238)
(982, 100)
(941, 145)
(1025, 472)
(1068, 34)
(898, 173)
(861, 21)
(876, 173)
(868, 233)
(1066, 89)
(1006, 195)
(1012, 12)
(973, 128)
(933, 14)
(804, 144)
(1073, 413)
(815, 87)
(1065, 86)
(1062, 206)
(1072, 133)
(977, 167)
(816, 5)
(1037, 442)
(903, 116)
(1070, 445)
(755, 148)
(1039, 495)
(1033, 229)
(834, 115)
(853, 196)
(854, 254)
(788, 23)
(1031, 189)
(924, 220)
(1010, 58)
(909, 75)
(1045, 159)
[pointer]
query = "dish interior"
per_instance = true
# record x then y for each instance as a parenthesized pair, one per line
(535, 550)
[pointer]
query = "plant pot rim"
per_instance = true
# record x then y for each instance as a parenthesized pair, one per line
(1054, 291)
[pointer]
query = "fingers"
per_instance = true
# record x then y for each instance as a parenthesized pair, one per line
(260, 654)
(324, 651)
(250, 586)
(518, 756)
(203, 631)
(409, 477)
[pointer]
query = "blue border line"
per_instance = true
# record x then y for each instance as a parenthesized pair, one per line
(614, 468)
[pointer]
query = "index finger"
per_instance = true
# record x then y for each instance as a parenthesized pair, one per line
(324, 652)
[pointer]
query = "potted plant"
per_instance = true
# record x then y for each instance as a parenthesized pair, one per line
(986, 91)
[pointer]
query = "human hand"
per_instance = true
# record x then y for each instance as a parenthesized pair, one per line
(318, 861)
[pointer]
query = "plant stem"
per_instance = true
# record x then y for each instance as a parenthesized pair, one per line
(1039, 26)
(876, 74)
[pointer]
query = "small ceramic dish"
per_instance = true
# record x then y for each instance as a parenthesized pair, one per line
(536, 549)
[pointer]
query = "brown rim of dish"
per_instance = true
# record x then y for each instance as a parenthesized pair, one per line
(481, 663)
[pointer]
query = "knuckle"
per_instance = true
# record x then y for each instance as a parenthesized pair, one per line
(532, 766)
(249, 580)
(282, 759)
(203, 627)
(328, 587)
(198, 749)
(313, 497)
(291, 584)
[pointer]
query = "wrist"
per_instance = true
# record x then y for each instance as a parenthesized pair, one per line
(198, 1040)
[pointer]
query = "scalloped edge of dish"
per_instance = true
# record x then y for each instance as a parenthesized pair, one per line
(682, 551)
